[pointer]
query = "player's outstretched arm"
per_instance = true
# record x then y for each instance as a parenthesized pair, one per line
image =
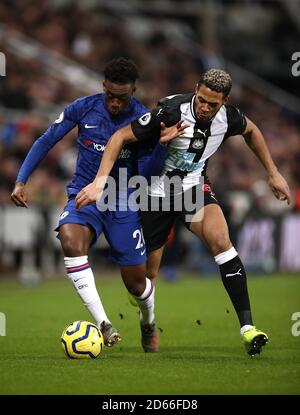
(257, 144)
(19, 195)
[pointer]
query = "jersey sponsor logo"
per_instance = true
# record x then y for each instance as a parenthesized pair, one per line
(145, 119)
(125, 153)
(99, 147)
(59, 119)
(181, 160)
(90, 126)
(64, 215)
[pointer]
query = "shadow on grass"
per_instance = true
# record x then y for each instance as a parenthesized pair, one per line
(208, 353)
(166, 353)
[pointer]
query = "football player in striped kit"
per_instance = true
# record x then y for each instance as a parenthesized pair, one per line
(208, 120)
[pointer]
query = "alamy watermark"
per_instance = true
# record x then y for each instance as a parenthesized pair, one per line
(2, 324)
(296, 326)
(296, 66)
(2, 64)
(167, 194)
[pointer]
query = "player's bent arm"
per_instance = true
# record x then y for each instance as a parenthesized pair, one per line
(125, 136)
(93, 191)
(257, 144)
(113, 148)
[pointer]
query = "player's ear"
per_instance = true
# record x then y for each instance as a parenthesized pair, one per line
(104, 87)
(225, 100)
(197, 87)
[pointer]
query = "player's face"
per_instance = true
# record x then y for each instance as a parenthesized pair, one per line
(207, 102)
(117, 96)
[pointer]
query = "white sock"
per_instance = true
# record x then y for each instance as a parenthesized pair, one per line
(79, 271)
(226, 256)
(146, 303)
(245, 328)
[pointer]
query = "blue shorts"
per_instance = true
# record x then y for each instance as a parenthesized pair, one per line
(123, 230)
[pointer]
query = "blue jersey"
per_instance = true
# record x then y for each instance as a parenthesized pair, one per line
(95, 126)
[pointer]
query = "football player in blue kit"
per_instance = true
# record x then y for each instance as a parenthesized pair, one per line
(97, 118)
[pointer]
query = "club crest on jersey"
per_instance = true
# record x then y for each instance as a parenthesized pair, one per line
(198, 144)
(145, 119)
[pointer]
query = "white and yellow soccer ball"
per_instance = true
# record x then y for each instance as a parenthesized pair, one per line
(82, 340)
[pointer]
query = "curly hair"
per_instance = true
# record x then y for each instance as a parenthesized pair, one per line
(217, 80)
(121, 71)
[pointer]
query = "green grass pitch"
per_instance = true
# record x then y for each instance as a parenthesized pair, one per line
(201, 351)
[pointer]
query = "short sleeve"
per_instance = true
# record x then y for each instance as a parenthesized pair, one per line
(147, 127)
(236, 121)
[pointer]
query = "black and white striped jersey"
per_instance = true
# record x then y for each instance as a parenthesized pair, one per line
(188, 154)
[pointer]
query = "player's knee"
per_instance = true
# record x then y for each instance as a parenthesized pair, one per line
(152, 273)
(73, 248)
(220, 243)
(135, 288)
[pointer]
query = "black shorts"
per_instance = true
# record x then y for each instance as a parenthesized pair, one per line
(157, 224)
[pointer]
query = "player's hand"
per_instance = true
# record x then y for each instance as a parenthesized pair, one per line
(279, 187)
(88, 195)
(19, 195)
(169, 133)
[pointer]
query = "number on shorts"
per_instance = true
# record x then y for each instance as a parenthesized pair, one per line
(138, 233)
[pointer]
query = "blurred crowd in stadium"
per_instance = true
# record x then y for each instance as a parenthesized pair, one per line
(92, 39)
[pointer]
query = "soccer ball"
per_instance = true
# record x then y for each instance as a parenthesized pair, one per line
(82, 340)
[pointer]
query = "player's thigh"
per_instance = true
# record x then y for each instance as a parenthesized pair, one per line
(125, 237)
(212, 229)
(157, 226)
(78, 229)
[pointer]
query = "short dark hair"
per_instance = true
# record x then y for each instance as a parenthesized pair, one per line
(217, 80)
(121, 71)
